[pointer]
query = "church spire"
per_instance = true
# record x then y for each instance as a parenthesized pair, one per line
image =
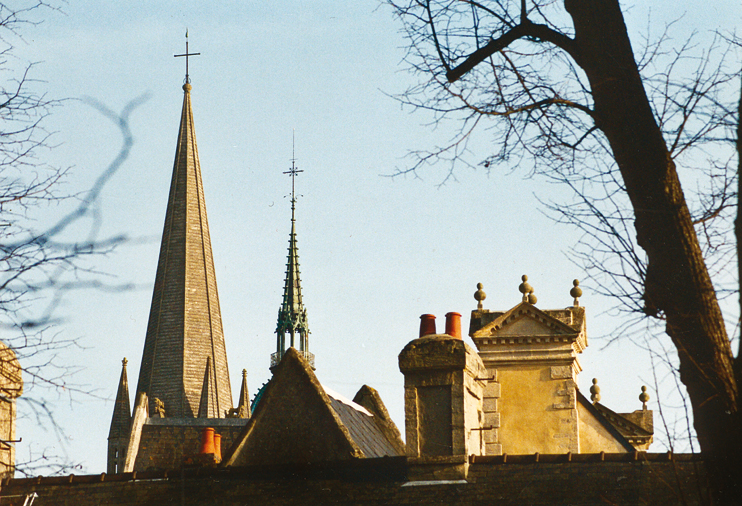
(184, 332)
(292, 315)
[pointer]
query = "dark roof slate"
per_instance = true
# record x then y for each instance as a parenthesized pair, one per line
(363, 429)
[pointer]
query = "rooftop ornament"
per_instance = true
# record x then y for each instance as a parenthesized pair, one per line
(479, 295)
(644, 397)
(595, 392)
(187, 81)
(527, 291)
(576, 293)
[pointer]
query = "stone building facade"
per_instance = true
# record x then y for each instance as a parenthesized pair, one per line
(11, 387)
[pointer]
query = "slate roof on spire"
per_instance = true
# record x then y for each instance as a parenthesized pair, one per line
(185, 325)
(121, 420)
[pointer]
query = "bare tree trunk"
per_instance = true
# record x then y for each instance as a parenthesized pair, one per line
(738, 233)
(678, 284)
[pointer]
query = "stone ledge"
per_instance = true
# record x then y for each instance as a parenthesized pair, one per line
(197, 422)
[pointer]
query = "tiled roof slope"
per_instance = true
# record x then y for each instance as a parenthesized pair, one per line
(185, 325)
(360, 423)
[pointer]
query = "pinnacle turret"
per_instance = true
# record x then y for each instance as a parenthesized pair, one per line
(118, 434)
(243, 406)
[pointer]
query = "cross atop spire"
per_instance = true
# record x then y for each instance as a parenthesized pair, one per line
(293, 172)
(187, 54)
(292, 315)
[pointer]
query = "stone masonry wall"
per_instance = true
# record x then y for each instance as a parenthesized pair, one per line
(382, 482)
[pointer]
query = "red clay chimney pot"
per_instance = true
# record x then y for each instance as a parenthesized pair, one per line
(207, 441)
(427, 325)
(218, 447)
(453, 324)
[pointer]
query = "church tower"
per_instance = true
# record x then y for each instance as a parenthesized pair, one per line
(183, 382)
(292, 315)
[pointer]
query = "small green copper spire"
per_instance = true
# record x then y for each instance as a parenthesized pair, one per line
(292, 315)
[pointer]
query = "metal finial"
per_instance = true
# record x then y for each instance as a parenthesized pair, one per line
(479, 295)
(293, 172)
(595, 391)
(187, 54)
(644, 397)
(576, 292)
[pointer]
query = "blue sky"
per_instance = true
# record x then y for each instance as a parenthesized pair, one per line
(375, 252)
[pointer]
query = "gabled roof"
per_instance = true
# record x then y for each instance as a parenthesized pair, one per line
(528, 324)
(299, 421)
(639, 437)
(630, 435)
(370, 399)
(362, 426)
(185, 325)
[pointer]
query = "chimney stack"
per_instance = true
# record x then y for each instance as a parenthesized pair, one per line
(444, 391)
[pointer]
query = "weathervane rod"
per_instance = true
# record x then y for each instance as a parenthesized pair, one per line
(187, 54)
(293, 172)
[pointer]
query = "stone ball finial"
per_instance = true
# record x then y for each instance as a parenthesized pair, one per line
(187, 87)
(525, 288)
(595, 391)
(644, 397)
(532, 299)
(576, 292)
(479, 295)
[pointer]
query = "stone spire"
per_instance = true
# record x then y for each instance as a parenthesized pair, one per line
(185, 332)
(292, 316)
(118, 435)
